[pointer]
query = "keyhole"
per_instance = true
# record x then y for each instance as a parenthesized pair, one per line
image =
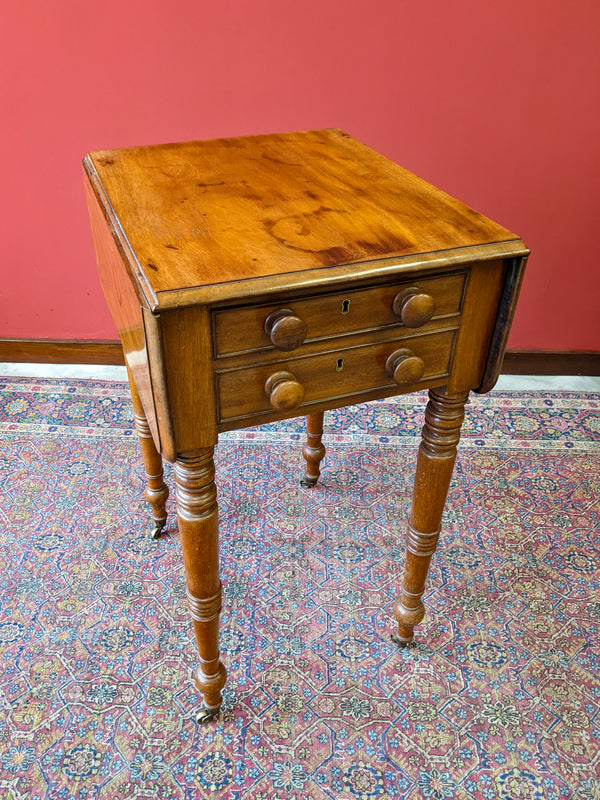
(345, 306)
(340, 365)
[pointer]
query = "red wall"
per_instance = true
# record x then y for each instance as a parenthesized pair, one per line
(497, 103)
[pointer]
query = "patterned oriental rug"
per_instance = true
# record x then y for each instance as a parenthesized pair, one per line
(498, 698)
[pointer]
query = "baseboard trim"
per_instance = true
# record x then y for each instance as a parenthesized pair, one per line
(551, 362)
(106, 351)
(62, 351)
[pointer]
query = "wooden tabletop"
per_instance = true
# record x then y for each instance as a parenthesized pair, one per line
(198, 218)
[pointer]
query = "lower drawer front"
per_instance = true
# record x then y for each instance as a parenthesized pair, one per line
(330, 376)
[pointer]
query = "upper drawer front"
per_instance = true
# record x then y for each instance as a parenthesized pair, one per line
(241, 330)
(330, 376)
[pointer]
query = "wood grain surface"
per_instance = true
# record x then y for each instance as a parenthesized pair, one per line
(200, 214)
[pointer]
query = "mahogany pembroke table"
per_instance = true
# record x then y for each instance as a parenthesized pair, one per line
(258, 278)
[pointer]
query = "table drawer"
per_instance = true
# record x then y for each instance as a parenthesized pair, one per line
(241, 330)
(330, 376)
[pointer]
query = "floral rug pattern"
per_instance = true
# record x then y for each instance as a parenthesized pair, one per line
(498, 698)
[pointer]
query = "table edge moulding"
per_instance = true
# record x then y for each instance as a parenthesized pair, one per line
(257, 278)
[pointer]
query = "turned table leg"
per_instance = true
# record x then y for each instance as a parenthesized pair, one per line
(437, 453)
(197, 514)
(313, 451)
(156, 491)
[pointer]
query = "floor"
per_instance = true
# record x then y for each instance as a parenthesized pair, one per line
(575, 383)
(499, 696)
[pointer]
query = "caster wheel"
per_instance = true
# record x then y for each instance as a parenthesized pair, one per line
(308, 483)
(400, 643)
(157, 530)
(205, 715)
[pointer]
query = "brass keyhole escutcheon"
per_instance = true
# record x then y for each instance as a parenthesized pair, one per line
(345, 306)
(340, 365)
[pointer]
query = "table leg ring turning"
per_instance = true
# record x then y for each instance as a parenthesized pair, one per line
(197, 514)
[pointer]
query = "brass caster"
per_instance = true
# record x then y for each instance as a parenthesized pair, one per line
(308, 483)
(205, 715)
(400, 643)
(158, 529)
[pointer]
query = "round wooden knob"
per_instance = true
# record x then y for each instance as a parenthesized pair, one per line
(414, 307)
(284, 391)
(285, 330)
(405, 367)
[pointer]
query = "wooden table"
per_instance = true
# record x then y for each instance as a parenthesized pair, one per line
(258, 278)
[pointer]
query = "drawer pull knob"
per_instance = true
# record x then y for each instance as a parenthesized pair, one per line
(284, 391)
(405, 367)
(414, 307)
(285, 330)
